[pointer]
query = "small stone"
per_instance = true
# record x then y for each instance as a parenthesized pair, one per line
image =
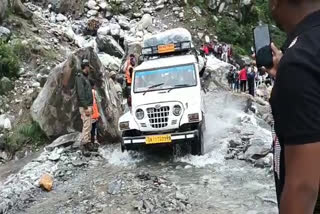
(114, 187)
(103, 5)
(181, 15)
(78, 163)
(46, 182)
(138, 205)
(148, 206)
(176, 9)
(180, 196)
(92, 13)
(61, 18)
(197, 10)
(200, 35)
(92, 5)
(54, 157)
(234, 143)
(36, 85)
(159, 7)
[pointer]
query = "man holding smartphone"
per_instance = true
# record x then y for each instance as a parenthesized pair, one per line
(295, 102)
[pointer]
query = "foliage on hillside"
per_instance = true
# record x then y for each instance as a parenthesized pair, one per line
(25, 134)
(9, 61)
(231, 29)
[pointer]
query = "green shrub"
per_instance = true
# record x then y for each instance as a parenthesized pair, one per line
(232, 31)
(26, 134)
(23, 51)
(9, 61)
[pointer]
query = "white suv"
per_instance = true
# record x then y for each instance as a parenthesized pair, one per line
(166, 105)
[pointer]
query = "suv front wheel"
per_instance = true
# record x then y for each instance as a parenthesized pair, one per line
(197, 146)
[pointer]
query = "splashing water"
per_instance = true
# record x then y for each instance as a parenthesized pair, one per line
(113, 155)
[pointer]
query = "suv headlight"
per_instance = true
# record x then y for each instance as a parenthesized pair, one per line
(124, 126)
(177, 110)
(140, 114)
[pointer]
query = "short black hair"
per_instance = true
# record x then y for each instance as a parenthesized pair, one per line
(85, 63)
(92, 83)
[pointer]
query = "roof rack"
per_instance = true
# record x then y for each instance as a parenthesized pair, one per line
(165, 49)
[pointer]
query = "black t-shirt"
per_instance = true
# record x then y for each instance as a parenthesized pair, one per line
(295, 98)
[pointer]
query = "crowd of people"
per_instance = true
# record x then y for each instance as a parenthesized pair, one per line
(221, 51)
(248, 79)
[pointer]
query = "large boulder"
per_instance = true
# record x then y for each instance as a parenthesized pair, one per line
(73, 7)
(216, 74)
(56, 108)
(145, 22)
(110, 62)
(110, 46)
(258, 148)
(3, 9)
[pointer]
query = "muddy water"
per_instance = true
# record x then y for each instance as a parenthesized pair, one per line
(215, 185)
(212, 184)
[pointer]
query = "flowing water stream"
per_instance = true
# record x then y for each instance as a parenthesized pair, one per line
(210, 183)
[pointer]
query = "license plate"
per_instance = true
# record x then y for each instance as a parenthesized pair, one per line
(158, 139)
(166, 48)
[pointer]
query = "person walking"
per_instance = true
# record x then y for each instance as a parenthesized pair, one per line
(251, 81)
(117, 86)
(243, 79)
(85, 99)
(236, 81)
(295, 106)
(230, 78)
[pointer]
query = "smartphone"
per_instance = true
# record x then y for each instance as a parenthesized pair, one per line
(262, 44)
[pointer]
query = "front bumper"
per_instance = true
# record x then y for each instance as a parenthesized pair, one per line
(176, 138)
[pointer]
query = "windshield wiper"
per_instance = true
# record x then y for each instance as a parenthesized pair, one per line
(180, 86)
(153, 86)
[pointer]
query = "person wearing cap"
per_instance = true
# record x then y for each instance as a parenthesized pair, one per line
(85, 99)
(116, 84)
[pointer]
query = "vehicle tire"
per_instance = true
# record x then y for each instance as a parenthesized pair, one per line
(123, 148)
(204, 125)
(197, 146)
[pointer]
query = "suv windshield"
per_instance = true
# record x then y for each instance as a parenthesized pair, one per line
(165, 78)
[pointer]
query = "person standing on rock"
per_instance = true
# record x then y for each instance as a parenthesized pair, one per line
(236, 81)
(295, 106)
(243, 79)
(251, 80)
(230, 77)
(117, 86)
(85, 99)
(95, 117)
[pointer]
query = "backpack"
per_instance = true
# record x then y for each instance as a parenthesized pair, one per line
(236, 76)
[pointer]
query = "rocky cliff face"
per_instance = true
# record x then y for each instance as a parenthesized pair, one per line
(107, 30)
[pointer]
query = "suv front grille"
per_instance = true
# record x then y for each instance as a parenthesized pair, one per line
(158, 118)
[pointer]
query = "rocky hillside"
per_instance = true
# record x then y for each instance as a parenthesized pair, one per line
(39, 36)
